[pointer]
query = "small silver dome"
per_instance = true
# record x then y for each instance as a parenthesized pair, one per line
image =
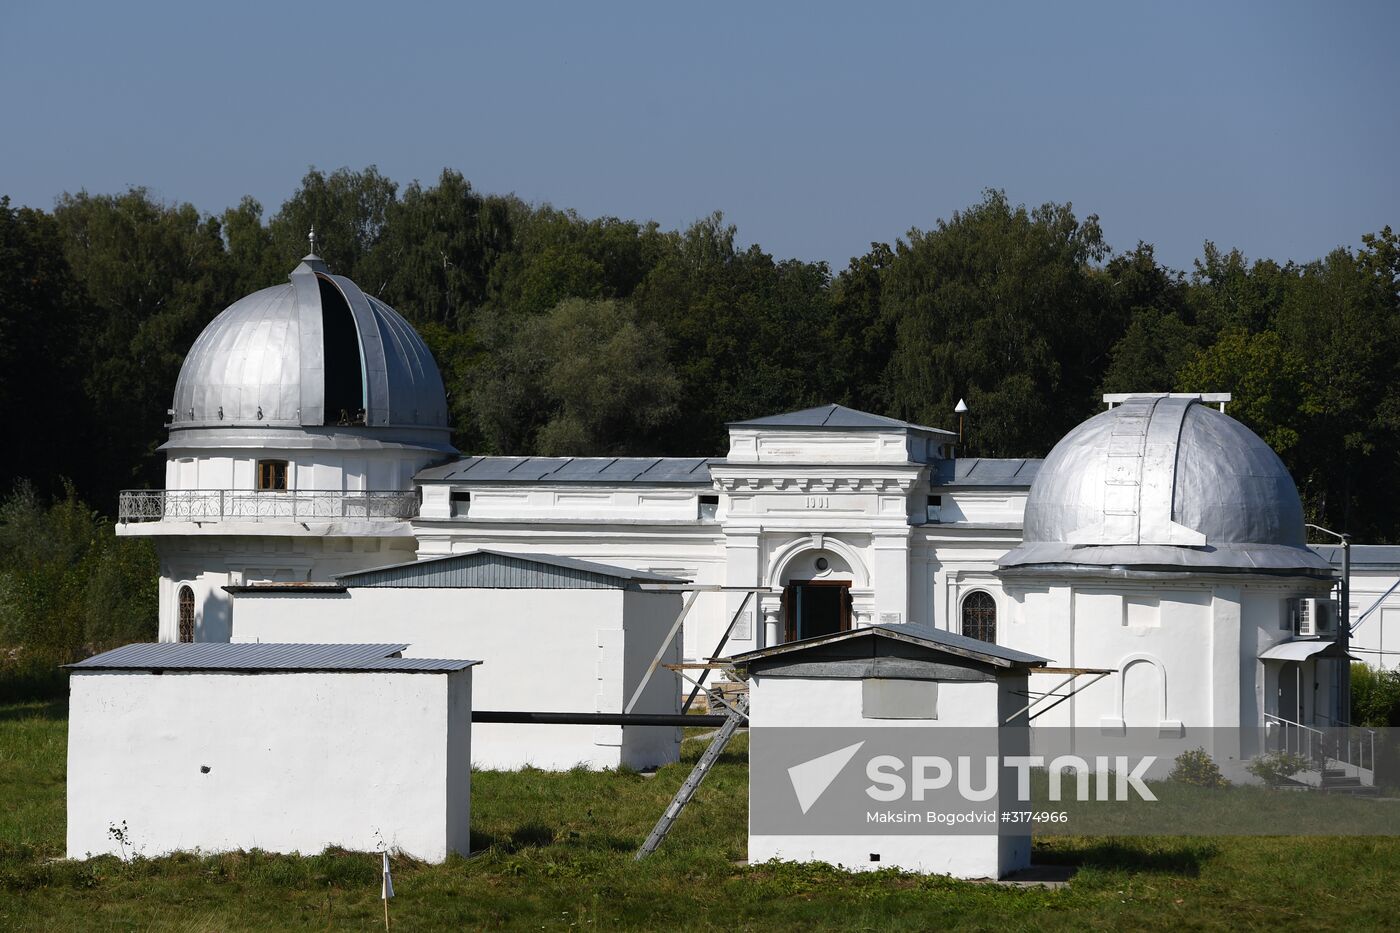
(316, 351)
(1164, 483)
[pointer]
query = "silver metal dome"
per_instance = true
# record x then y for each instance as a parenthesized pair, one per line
(316, 351)
(1164, 484)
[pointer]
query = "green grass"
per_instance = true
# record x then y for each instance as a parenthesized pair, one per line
(556, 851)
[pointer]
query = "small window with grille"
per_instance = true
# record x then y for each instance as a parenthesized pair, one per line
(186, 614)
(979, 616)
(272, 475)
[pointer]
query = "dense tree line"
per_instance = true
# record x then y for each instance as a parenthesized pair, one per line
(563, 334)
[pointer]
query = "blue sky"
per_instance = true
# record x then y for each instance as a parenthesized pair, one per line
(816, 128)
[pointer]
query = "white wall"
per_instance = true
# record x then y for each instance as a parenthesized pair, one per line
(825, 703)
(544, 650)
(382, 469)
(648, 618)
(207, 564)
(296, 762)
(1377, 640)
(1185, 654)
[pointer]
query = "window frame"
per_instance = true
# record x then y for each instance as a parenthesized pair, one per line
(981, 624)
(184, 614)
(286, 468)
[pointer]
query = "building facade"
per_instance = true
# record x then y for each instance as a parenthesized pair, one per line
(1161, 539)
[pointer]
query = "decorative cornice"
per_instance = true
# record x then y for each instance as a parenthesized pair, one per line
(749, 483)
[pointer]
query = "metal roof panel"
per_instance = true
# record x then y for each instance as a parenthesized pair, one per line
(834, 416)
(985, 471)
(265, 657)
(488, 569)
(935, 639)
(668, 471)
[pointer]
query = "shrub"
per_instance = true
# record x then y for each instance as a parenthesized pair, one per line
(69, 587)
(1276, 767)
(1375, 696)
(1196, 767)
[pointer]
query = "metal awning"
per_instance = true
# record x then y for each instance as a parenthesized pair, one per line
(1301, 650)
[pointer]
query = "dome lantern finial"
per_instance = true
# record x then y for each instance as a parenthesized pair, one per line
(311, 238)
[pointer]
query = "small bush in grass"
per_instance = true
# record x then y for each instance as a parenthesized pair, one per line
(347, 869)
(1197, 768)
(1277, 767)
(280, 871)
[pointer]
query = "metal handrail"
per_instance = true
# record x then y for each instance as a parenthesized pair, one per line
(1298, 739)
(1354, 746)
(256, 505)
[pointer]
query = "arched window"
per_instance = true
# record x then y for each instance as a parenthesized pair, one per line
(186, 614)
(979, 616)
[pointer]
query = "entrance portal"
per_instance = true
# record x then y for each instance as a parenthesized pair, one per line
(816, 607)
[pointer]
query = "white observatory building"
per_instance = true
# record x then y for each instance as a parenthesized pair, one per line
(301, 414)
(1161, 540)
(1164, 540)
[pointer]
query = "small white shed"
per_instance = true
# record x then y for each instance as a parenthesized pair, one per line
(287, 748)
(847, 732)
(557, 635)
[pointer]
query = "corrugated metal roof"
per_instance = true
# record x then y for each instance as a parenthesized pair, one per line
(486, 569)
(657, 471)
(260, 656)
(983, 471)
(835, 416)
(936, 639)
(1362, 555)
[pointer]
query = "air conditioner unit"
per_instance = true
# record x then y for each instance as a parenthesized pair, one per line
(1313, 617)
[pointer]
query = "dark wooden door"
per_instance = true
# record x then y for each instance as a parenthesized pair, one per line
(812, 608)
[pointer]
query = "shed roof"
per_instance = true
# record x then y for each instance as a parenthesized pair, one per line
(486, 569)
(645, 471)
(951, 643)
(264, 657)
(836, 416)
(985, 471)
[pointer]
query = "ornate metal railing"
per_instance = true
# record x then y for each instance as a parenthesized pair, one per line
(249, 505)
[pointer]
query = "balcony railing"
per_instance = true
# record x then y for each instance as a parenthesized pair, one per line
(249, 505)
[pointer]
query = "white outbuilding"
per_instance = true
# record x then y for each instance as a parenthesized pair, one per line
(823, 711)
(287, 748)
(557, 635)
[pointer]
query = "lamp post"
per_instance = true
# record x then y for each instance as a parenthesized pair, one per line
(1343, 622)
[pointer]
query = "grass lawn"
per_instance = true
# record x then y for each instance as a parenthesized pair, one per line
(556, 851)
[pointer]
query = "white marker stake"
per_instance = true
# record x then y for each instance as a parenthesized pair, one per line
(386, 889)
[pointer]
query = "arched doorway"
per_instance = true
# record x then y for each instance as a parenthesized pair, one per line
(185, 614)
(979, 616)
(816, 595)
